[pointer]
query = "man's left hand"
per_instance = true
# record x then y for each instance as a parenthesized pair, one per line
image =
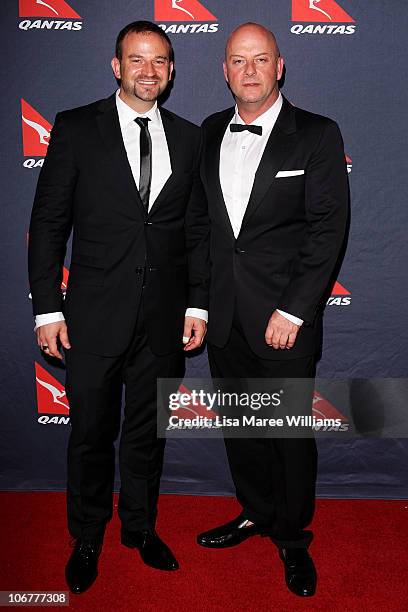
(281, 333)
(194, 332)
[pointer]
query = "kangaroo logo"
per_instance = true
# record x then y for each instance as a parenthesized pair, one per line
(324, 409)
(47, 5)
(47, 8)
(312, 5)
(41, 131)
(181, 10)
(36, 131)
(319, 11)
(175, 5)
(51, 395)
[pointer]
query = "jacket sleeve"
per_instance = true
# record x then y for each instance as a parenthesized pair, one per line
(197, 231)
(51, 220)
(327, 206)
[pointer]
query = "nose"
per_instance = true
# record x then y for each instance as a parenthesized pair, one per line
(250, 68)
(149, 69)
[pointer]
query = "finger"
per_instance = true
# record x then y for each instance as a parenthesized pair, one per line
(188, 326)
(276, 339)
(291, 340)
(192, 344)
(268, 335)
(283, 340)
(64, 339)
(52, 348)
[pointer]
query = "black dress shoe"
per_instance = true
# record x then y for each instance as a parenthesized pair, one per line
(153, 550)
(82, 567)
(300, 572)
(227, 535)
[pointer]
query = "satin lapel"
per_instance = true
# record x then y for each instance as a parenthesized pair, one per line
(212, 165)
(176, 152)
(280, 143)
(109, 128)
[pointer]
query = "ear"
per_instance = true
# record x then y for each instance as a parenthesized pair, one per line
(115, 63)
(171, 68)
(279, 67)
(224, 67)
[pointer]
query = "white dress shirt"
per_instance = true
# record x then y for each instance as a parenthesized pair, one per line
(161, 171)
(240, 155)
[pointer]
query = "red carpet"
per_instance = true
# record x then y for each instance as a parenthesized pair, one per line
(360, 550)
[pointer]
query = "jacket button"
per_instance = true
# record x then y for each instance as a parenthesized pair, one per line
(239, 251)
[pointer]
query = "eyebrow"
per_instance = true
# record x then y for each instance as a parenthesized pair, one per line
(133, 55)
(257, 55)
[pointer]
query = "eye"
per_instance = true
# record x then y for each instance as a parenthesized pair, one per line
(237, 62)
(261, 60)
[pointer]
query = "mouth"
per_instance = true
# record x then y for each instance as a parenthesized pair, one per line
(147, 83)
(251, 84)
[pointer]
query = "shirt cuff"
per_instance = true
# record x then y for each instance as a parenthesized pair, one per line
(290, 317)
(49, 317)
(199, 313)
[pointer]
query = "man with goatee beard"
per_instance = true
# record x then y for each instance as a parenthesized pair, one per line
(122, 173)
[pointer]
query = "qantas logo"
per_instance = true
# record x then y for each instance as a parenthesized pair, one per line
(326, 12)
(36, 134)
(193, 409)
(49, 8)
(323, 409)
(184, 11)
(51, 398)
(181, 10)
(349, 163)
(340, 296)
(319, 10)
(65, 275)
(58, 10)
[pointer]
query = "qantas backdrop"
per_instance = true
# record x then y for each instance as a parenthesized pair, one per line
(345, 59)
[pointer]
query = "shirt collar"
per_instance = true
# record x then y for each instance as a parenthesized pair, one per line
(267, 120)
(127, 115)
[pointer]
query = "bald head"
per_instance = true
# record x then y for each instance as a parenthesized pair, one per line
(252, 68)
(246, 32)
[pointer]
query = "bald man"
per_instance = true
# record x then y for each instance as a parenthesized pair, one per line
(276, 183)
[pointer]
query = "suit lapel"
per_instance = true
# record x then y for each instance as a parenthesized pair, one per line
(109, 128)
(280, 143)
(212, 165)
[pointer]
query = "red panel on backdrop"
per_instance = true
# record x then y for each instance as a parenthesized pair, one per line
(46, 8)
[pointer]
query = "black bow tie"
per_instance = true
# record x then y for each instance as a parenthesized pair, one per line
(239, 127)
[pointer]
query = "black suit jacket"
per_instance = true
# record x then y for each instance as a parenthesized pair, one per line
(291, 233)
(86, 183)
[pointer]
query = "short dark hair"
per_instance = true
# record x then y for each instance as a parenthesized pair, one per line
(142, 26)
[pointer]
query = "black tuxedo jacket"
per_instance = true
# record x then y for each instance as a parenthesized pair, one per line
(86, 184)
(291, 233)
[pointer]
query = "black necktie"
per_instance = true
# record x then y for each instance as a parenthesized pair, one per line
(239, 127)
(145, 161)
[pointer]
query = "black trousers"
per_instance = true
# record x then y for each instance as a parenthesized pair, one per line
(94, 387)
(274, 478)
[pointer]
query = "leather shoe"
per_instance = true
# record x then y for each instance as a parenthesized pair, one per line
(153, 551)
(230, 534)
(300, 572)
(82, 567)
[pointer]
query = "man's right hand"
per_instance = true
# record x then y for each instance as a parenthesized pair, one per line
(48, 336)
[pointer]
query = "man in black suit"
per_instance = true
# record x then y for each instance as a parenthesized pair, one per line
(124, 175)
(277, 192)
